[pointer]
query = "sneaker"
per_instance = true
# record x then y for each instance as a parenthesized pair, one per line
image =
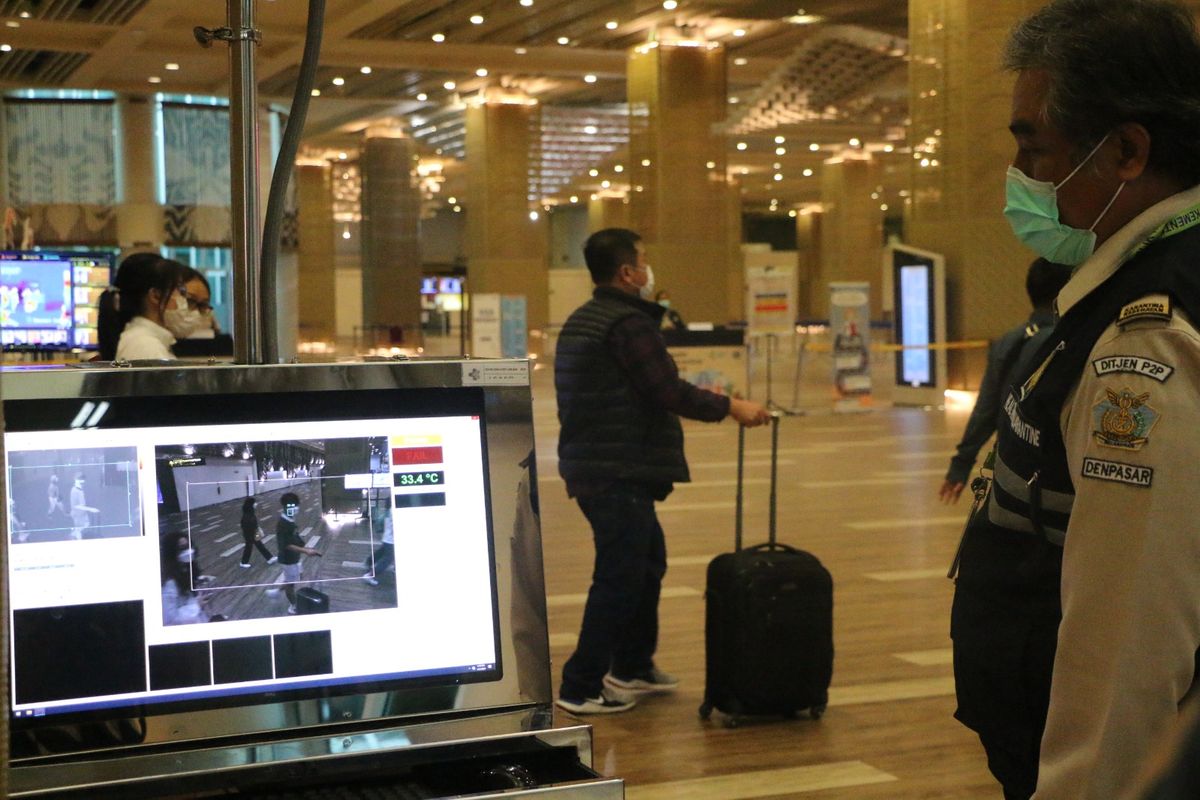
(292, 610)
(607, 703)
(653, 680)
(371, 579)
(272, 591)
(272, 559)
(243, 565)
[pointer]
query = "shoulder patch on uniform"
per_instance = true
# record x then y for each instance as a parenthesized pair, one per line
(1134, 365)
(1124, 420)
(1117, 472)
(1155, 306)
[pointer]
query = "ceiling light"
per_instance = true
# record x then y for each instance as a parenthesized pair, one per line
(670, 5)
(439, 37)
(589, 78)
(24, 15)
(779, 151)
(645, 162)
(618, 168)
(593, 172)
(342, 156)
(5, 48)
(710, 164)
(481, 72)
(855, 142)
(792, 213)
(590, 130)
(742, 145)
(804, 19)
(574, 198)
(172, 66)
(780, 140)
(449, 86)
(12, 23)
(808, 173)
(316, 92)
(740, 62)
(422, 97)
(887, 148)
(154, 79)
(477, 19)
(605, 184)
(457, 209)
(365, 70)
(739, 32)
(883, 206)
(733, 100)
(563, 40)
(339, 81)
(533, 216)
(527, 3)
(778, 176)
(611, 24)
(814, 147)
(346, 232)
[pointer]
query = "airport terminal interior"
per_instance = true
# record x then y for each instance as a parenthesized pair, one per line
(818, 185)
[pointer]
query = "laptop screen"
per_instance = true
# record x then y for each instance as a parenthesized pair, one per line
(169, 553)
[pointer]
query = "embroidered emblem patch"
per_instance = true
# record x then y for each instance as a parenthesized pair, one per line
(1124, 420)
(1117, 472)
(1135, 365)
(1154, 307)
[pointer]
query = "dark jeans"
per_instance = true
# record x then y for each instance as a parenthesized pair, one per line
(1004, 646)
(251, 542)
(620, 620)
(385, 556)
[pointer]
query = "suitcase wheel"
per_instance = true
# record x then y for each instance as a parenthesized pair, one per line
(816, 712)
(706, 710)
(732, 721)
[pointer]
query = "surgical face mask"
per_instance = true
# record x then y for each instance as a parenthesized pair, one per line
(646, 290)
(665, 303)
(1031, 208)
(186, 556)
(180, 320)
(290, 511)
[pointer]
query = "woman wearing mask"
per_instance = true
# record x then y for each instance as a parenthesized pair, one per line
(199, 299)
(151, 309)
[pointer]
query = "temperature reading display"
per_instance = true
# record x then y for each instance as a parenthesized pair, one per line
(419, 478)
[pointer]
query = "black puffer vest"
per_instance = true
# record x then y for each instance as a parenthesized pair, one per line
(609, 432)
(1017, 542)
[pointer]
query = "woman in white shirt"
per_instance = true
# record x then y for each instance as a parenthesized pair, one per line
(151, 309)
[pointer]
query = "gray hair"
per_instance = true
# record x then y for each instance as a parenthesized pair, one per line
(1116, 61)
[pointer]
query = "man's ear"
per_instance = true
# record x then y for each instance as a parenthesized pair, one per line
(1133, 141)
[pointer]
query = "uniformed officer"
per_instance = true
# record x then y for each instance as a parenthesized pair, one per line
(1095, 462)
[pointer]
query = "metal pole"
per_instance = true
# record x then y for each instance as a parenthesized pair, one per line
(243, 163)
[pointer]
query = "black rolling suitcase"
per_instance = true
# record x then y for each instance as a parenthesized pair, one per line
(311, 601)
(769, 623)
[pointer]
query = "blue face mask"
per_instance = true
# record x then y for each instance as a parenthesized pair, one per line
(1031, 208)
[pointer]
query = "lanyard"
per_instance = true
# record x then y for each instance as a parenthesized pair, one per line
(1185, 220)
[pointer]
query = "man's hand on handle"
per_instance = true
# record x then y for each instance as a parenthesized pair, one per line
(950, 491)
(748, 413)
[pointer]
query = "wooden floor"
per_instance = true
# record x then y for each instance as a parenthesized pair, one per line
(859, 491)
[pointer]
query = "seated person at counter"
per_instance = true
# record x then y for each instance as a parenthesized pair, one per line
(144, 312)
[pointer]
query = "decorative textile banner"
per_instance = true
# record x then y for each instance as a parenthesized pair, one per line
(196, 152)
(60, 152)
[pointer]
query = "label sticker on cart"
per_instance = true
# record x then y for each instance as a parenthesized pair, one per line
(506, 373)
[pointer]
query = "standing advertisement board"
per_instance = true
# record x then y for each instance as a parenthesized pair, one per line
(498, 326)
(850, 327)
(771, 299)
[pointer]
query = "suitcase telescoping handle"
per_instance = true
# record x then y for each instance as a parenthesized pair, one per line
(741, 473)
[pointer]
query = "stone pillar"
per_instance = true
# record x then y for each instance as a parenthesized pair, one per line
(677, 171)
(391, 250)
(607, 211)
(808, 253)
(851, 231)
(735, 267)
(139, 215)
(960, 102)
(317, 304)
(507, 232)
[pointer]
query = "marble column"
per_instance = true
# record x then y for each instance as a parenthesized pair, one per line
(391, 249)
(139, 216)
(679, 201)
(851, 230)
(317, 301)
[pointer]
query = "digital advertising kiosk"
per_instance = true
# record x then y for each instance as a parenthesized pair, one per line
(918, 282)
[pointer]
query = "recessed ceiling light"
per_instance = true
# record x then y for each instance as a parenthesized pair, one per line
(740, 62)
(710, 164)
(342, 156)
(733, 100)
(527, 3)
(589, 78)
(439, 37)
(5, 48)
(316, 92)
(645, 162)
(12, 23)
(739, 32)
(24, 15)
(855, 142)
(365, 70)
(339, 81)
(780, 140)
(172, 66)
(449, 86)
(563, 40)
(887, 148)
(611, 24)
(520, 51)
(742, 145)
(477, 19)
(670, 5)
(804, 19)
(457, 209)
(422, 97)
(481, 72)
(574, 198)
(154, 79)
(590, 130)
(605, 184)
(808, 173)
(814, 147)
(593, 172)
(618, 168)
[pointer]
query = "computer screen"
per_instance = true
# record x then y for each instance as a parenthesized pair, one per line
(916, 321)
(50, 298)
(169, 553)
